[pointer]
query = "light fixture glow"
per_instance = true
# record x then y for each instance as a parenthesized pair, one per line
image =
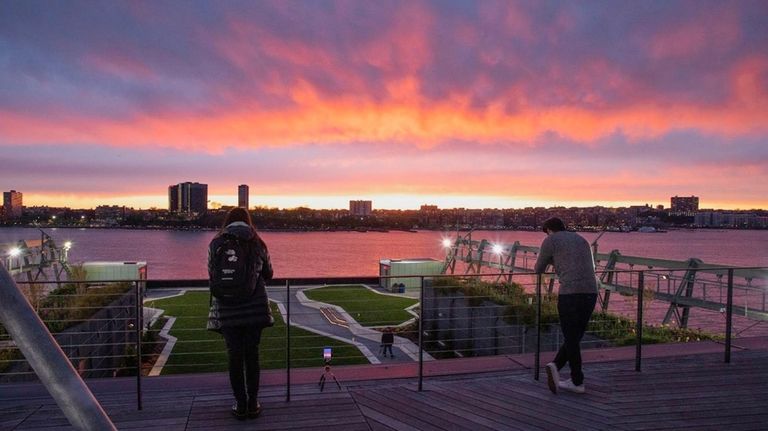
(497, 248)
(14, 252)
(68, 245)
(446, 242)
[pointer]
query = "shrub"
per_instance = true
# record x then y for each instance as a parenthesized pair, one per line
(520, 306)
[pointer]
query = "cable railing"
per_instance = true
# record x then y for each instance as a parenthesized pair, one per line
(143, 329)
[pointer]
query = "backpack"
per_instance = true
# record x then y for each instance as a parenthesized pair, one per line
(235, 268)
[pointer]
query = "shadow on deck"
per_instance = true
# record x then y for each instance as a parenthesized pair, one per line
(682, 386)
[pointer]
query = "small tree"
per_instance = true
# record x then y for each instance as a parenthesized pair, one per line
(78, 274)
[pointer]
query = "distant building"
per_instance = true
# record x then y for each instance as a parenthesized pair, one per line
(173, 198)
(684, 205)
(12, 204)
(109, 213)
(188, 198)
(242, 196)
(743, 220)
(361, 208)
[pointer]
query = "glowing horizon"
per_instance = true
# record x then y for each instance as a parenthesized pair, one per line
(384, 202)
(475, 104)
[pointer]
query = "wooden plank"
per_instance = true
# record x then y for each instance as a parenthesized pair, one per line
(423, 401)
(378, 426)
(380, 417)
(685, 392)
(416, 419)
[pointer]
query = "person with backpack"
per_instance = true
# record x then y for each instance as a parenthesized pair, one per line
(238, 268)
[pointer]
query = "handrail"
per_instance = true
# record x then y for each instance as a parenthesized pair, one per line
(646, 281)
(48, 360)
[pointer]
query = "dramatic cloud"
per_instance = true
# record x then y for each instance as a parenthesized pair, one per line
(394, 97)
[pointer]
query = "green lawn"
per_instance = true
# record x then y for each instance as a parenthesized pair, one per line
(198, 350)
(367, 307)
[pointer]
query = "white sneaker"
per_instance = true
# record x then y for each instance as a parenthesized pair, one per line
(553, 376)
(569, 386)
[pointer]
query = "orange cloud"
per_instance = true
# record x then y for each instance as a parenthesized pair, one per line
(407, 119)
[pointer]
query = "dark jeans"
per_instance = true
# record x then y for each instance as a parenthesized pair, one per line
(385, 347)
(243, 351)
(575, 311)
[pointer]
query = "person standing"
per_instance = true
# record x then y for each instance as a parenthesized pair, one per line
(240, 310)
(387, 339)
(574, 265)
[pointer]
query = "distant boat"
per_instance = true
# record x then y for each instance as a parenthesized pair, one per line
(649, 229)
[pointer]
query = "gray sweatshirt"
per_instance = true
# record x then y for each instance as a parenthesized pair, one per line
(572, 258)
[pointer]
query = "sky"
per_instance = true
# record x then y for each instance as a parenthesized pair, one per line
(476, 104)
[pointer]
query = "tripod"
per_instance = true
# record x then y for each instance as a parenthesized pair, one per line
(328, 372)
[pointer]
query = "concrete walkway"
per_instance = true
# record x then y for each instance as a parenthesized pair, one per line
(306, 314)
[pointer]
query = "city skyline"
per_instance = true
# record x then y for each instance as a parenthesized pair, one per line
(455, 104)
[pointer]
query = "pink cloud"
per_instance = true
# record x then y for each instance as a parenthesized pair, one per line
(703, 32)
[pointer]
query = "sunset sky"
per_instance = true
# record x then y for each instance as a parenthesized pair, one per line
(452, 103)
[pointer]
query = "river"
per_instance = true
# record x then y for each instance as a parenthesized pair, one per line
(182, 254)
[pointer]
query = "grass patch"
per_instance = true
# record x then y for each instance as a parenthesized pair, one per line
(367, 307)
(198, 350)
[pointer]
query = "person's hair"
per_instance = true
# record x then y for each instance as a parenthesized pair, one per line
(554, 224)
(237, 214)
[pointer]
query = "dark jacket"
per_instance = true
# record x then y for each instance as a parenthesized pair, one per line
(387, 338)
(253, 311)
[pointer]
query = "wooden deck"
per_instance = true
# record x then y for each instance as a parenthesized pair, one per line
(681, 392)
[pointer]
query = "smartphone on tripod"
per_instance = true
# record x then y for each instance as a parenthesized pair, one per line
(327, 356)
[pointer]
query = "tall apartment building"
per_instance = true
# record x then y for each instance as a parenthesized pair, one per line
(687, 205)
(189, 198)
(173, 198)
(242, 196)
(12, 204)
(361, 208)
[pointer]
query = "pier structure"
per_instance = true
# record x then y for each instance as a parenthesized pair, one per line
(682, 284)
(32, 259)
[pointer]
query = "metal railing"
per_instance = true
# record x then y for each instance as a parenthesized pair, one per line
(114, 329)
(48, 360)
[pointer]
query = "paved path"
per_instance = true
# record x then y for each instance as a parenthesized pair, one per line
(309, 317)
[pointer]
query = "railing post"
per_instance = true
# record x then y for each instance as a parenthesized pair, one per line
(48, 360)
(139, 327)
(639, 323)
(287, 340)
(729, 317)
(421, 335)
(537, 355)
